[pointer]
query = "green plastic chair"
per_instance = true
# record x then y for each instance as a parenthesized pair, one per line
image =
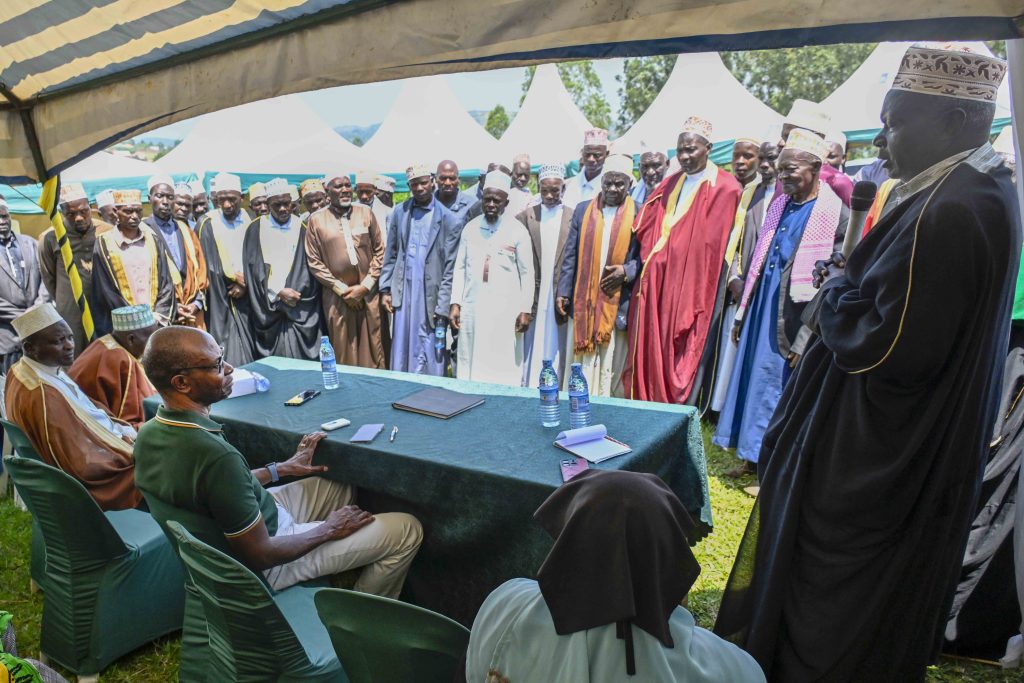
(254, 636)
(24, 448)
(113, 582)
(380, 640)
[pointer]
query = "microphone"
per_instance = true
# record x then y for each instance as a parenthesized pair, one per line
(860, 203)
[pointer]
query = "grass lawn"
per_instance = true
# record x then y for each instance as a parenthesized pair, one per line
(158, 662)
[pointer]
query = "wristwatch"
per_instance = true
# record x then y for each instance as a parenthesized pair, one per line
(272, 468)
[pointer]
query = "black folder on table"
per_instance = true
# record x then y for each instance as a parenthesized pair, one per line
(438, 402)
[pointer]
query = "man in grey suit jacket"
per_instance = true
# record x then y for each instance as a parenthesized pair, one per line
(21, 285)
(416, 280)
(548, 225)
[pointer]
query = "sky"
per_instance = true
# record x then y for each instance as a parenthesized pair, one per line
(362, 105)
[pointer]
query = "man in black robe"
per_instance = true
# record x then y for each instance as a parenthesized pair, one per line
(221, 235)
(284, 297)
(871, 467)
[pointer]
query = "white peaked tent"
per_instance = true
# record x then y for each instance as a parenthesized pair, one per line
(103, 165)
(549, 126)
(427, 124)
(857, 103)
(700, 85)
(279, 135)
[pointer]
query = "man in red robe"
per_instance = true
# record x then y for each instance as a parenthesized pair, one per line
(108, 371)
(683, 230)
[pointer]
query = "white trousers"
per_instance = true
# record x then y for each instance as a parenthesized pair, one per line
(384, 548)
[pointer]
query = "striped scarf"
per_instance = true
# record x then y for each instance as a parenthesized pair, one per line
(593, 310)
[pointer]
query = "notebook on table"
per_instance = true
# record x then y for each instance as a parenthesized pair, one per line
(438, 402)
(591, 443)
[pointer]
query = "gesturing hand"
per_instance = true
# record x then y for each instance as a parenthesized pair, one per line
(299, 464)
(346, 521)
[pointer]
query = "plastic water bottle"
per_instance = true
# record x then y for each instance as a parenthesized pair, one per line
(550, 415)
(327, 364)
(262, 383)
(439, 334)
(579, 398)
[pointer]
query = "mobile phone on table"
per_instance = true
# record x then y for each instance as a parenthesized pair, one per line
(571, 467)
(299, 399)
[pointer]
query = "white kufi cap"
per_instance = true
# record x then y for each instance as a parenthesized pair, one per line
(227, 182)
(35, 319)
(618, 163)
(276, 186)
(498, 180)
(159, 179)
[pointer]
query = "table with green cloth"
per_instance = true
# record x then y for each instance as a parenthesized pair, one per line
(473, 481)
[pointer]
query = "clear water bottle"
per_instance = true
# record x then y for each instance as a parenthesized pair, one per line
(579, 398)
(440, 328)
(550, 415)
(327, 364)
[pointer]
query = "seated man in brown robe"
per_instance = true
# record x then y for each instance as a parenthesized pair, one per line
(68, 429)
(108, 372)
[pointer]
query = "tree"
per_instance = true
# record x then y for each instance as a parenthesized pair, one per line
(641, 80)
(777, 77)
(497, 121)
(584, 86)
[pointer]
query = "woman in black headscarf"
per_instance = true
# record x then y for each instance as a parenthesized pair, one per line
(606, 605)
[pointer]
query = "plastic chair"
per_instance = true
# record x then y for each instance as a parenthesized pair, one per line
(254, 635)
(380, 640)
(24, 448)
(113, 583)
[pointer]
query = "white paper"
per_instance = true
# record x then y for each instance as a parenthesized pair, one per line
(571, 437)
(244, 384)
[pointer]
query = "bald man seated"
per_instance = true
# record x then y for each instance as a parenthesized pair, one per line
(189, 473)
(68, 429)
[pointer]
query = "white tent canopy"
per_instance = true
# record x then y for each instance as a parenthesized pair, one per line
(427, 124)
(103, 165)
(699, 85)
(280, 135)
(549, 126)
(856, 104)
(137, 65)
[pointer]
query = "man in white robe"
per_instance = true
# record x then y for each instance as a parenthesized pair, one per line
(548, 225)
(492, 290)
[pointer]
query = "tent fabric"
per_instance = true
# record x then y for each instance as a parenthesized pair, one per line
(106, 165)
(81, 76)
(282, 135)
(427, 124)
(855, 105)
(549, 126)
(700, 85)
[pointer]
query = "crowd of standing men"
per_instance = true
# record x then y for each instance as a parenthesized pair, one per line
(865, 391)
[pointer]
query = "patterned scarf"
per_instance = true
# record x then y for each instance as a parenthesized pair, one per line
(593, 310)
(815, 245)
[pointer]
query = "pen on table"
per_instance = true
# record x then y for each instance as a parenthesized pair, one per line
(394, 432)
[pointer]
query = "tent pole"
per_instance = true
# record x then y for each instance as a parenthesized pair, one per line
(25, 112)
(1015, 59)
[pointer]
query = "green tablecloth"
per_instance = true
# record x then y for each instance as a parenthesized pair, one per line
(473, 481)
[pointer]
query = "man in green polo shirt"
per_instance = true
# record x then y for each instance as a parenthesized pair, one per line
(189, 473)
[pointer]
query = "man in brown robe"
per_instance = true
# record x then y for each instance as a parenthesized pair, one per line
(68, 429)
(108, 371)
(345, 252)
(82, 230)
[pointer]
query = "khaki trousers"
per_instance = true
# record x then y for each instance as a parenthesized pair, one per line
(384, 548)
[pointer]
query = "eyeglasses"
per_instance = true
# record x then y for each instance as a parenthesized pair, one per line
(218, 367)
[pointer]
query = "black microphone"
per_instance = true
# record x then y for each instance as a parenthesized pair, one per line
(860, 203)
